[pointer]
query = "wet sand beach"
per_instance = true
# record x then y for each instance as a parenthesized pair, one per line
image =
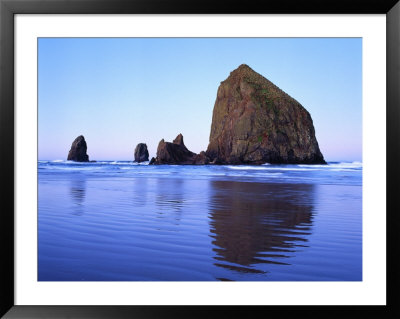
(120, 222)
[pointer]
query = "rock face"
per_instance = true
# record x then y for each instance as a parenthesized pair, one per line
(255, 122)
(141, 153)
(177, 153)
(78, 150)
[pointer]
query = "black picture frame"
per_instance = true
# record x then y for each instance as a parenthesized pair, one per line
(8, 8)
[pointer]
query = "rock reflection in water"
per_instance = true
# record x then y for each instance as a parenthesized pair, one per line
(170, 198)
(139, 192)
(78, 194)
(258, 223)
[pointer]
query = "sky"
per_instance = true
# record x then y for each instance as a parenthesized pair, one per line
(118, 92)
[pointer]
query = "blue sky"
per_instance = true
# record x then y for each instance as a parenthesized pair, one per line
(119, 92)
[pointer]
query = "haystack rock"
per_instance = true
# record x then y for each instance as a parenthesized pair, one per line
(78, 150)
(255, 122)
(141, 153)
(177, 153)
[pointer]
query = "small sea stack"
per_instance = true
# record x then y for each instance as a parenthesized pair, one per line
(177, 153)
(141, 153)
(255, 122)
(78, 150)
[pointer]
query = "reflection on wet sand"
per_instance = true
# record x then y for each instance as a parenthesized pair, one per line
(78, 194)
(170, 197)
(139, 192)
(257, 223)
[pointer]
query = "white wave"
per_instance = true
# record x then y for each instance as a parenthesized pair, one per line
(285, 168)
(121, 163)
(110, 164)
(53, 161)
(269, 168)
(248, 167)
(72, 168)
(128, 167)
(127, 163)
(346, 165)
(76, 163)
(340, 164)
(113, 163)
(342, 170)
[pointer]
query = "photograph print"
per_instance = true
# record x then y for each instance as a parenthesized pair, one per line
(199, 159)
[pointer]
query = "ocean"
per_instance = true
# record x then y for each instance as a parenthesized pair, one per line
(124, 221)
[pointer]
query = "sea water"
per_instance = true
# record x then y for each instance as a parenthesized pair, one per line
(124, 221)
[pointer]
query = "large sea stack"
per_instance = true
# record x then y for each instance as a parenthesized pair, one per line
(141, 153)
(255, 122)
(78, 150)
(177, 153)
